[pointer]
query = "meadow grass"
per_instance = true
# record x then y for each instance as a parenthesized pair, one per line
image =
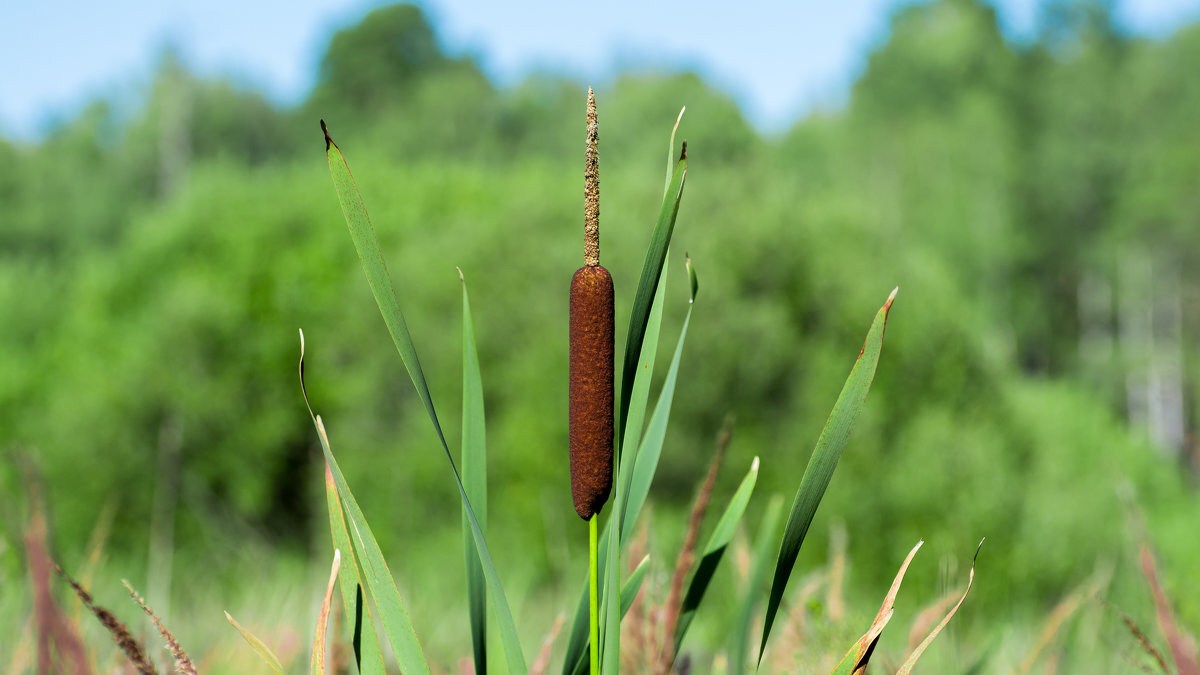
(639, 614)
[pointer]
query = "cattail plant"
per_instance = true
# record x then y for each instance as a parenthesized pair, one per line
(368, 581)
(590, 428)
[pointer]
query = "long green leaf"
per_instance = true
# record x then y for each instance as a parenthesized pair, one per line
(645, 463)
(824, 460)
(660, 240)
(639, 398)
(367, 654)
(371, 257)
(610, 629)
(259, 646)
(377, 578)
(758, 572)
(474, 475)
(714, 550)
(633, 584)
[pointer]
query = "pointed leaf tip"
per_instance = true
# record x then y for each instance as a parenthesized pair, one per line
(683, 153)
(754, 464)
(328, 140)
(460, 275)
(888, 305)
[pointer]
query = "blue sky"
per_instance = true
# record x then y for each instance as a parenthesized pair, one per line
(777, 59)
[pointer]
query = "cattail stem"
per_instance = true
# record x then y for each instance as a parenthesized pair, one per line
(591, 187)
(594, 596)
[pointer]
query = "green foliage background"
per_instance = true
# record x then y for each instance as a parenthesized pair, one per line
(155, 263)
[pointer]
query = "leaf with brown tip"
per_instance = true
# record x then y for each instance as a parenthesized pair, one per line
(855, 660)
(318, 646)
(916, 653)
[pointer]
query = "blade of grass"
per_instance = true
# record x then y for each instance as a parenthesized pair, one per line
(671, 151)
(317, 666)
(610, 633)
(714, 550)
(633, 584)
(916, 654)
(855, 660)
(474, 477)
(645, 461)
(762, 558)
(377, 577)
(824, 460)
(380, 583)
(367, 654)
(371, 257)
(660, 240)
(259, 646)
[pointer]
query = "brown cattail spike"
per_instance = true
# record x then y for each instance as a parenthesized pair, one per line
(591, 391)
(591, 187)
(592, 354)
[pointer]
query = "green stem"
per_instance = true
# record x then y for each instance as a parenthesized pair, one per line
(594, 596)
